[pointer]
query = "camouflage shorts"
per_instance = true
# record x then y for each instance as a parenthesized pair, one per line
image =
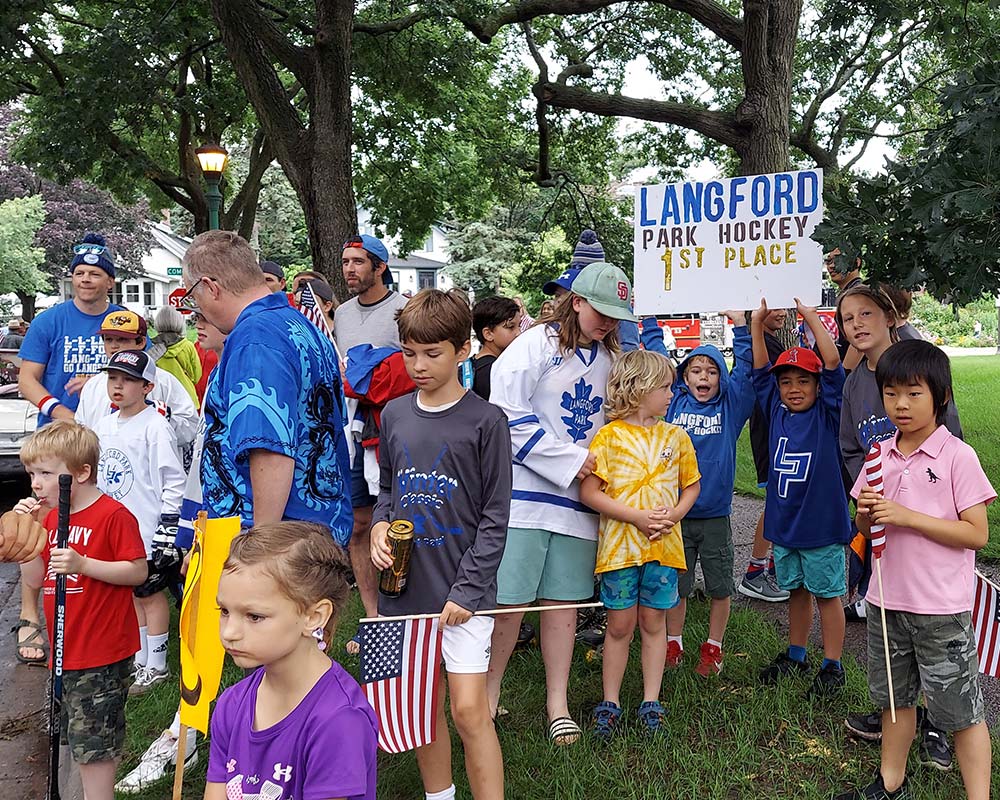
(935, 654)
(93, 711)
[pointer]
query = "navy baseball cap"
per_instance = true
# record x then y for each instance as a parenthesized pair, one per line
(564, 281)
(375, 248)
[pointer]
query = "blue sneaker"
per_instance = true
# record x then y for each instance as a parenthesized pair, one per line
(653, 716)
(604, 719)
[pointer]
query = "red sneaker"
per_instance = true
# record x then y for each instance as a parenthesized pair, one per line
(710, 661)
(674, 655)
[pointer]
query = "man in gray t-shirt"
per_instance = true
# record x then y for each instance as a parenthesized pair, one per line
(369, 317)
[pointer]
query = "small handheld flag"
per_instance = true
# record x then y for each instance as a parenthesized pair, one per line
(399, 672)
(873, 474)
(986, 624)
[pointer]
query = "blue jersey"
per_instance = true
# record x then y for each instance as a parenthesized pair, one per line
(277, 388)
(65, 340)
(806, 503)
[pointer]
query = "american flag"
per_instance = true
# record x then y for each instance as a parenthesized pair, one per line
(312, 311)
(399, 671)
(986, 624)
(873, 474)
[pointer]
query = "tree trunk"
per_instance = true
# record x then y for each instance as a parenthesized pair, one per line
(771, 30)
(315, 158)
(27, 306)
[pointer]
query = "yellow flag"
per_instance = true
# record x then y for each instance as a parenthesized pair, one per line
(201, 649)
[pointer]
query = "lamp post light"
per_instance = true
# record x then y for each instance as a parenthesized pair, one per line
(212, 159)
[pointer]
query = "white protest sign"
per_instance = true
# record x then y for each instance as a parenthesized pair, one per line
(711, 245)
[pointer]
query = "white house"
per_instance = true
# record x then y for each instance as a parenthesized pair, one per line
(159, 276)
(423, 268)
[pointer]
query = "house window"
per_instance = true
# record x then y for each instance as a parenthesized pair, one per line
(429, 244)
(148, 298)
(131, 293)
(116, 293)
(426, 278)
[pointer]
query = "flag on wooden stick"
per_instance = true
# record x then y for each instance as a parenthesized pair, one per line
(986, 623)
(399, 672)
(873, 475)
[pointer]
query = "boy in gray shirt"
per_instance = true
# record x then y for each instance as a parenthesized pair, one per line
(445, 466)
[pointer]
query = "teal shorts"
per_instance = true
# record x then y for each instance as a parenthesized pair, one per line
(822, 571)
(652, 585)
(541, 565)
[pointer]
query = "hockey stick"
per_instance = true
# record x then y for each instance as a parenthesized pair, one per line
(58, 641)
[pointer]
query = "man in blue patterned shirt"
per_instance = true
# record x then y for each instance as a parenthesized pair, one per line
(274, 435)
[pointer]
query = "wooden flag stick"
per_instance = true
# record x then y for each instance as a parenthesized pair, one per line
(199, 529)
(885, 640)
(492, 612)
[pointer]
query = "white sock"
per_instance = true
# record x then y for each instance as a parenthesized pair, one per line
(142, 657)
(157, 652)
(714, 643)
(678, 639)
(447, 794)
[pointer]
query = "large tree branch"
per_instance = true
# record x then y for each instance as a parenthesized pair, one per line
(717, 125)
(294, 58)
(261, 156)
(390, 25)
(43, 55)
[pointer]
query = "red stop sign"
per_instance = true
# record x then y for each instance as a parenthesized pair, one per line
(175, 297)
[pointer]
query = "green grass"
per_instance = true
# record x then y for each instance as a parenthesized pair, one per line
(977, 386)
(728, 738)
(725, 739)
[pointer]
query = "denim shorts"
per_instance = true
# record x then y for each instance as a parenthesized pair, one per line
(822, 571)
(936, 653)
(540, 564)
(652, 585)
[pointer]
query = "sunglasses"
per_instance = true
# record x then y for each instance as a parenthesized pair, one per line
(188, 302)
(85, 249)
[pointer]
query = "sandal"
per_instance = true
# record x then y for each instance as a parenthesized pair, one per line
(564, 731)
(37, 641)
(353, 646)
(604, 720)
(653, 716)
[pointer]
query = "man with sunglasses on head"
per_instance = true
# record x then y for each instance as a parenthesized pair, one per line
(61, 350)
(368, 317)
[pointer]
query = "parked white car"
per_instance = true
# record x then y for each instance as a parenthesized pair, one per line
(18, 418)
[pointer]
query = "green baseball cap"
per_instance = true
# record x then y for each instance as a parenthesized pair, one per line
(607, 289)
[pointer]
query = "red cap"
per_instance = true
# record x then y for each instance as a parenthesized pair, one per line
(801, 357)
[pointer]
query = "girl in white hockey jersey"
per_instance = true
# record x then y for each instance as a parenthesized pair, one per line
(551, 383)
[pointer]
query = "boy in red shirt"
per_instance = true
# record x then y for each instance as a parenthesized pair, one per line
(104, 560)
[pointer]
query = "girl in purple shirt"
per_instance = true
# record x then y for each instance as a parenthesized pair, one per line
(300, 726)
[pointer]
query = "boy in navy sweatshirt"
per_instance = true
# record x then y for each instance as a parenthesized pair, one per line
(806, 517)
(712, 405)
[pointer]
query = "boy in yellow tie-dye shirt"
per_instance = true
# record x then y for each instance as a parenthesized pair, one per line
(645, 481)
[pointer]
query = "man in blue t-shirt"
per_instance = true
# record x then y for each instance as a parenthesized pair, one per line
(274, 421)
(61, 350)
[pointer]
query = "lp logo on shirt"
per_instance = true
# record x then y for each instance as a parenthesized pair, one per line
(115, 471)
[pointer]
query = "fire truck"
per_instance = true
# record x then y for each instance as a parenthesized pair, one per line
(692, 330)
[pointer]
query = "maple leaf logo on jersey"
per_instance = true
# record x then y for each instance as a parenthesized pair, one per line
(581, 407)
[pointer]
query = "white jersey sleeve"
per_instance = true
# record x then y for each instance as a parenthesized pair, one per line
(514, 380)
(94, 401)
(165, 468)
(183, 415)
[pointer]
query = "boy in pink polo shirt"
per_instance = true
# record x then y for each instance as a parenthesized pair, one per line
(934, 512)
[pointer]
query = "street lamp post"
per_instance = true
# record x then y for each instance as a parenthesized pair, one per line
(212, 159)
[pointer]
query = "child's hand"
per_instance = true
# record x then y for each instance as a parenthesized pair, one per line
(454, 614)
(653, 522)
(66, 561)
(588, 467)
(663, 520)
(380, 549)
(738, 318)
(881, 511)
(27, 505)
(804, 310)
(760, 313)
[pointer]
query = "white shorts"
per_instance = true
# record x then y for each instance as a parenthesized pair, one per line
(466, 647)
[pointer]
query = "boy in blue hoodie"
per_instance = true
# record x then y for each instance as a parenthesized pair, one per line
(712, 405)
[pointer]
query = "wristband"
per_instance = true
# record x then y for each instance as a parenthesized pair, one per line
(47, 404)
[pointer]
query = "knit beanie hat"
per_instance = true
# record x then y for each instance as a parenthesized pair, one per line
(93, 250)
(588, 250)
